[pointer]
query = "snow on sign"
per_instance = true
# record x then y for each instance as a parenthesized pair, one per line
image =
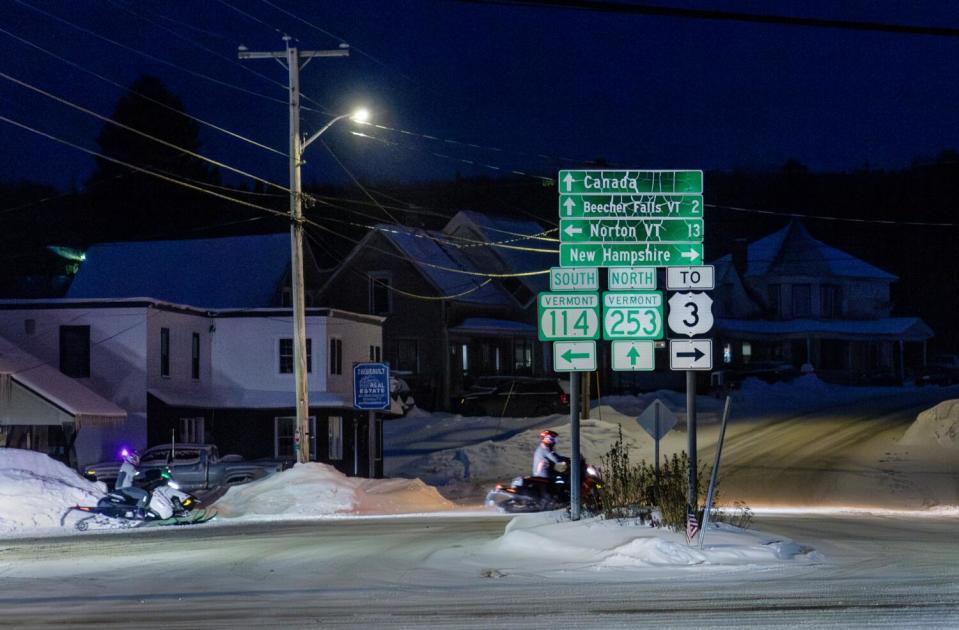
(371, 386)
(690, 313)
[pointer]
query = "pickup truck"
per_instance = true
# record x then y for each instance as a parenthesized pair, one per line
(194, 466)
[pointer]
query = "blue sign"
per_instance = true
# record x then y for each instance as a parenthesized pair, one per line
(371, 386)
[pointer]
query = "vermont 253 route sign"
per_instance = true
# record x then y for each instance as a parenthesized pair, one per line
(634, 315)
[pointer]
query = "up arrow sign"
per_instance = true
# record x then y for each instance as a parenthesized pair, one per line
(568, 180)
(570, 230)
(569, 203)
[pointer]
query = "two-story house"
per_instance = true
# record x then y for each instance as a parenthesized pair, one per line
(458, 304)
(210, 359)
(789, 297)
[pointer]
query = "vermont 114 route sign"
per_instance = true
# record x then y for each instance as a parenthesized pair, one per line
(568, 316)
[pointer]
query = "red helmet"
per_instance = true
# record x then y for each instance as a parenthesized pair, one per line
(548, 437)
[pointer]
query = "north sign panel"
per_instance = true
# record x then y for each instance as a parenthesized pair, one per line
(631, 230)
(629, 254)
(634, 315)
(598, 206)
(568, 316)
(630, 181)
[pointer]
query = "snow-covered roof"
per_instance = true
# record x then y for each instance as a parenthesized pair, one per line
(60, 390)
(493, 326)
(236, 398)
(443, 264)
(793, 251)
(905, 328)
(232, 272)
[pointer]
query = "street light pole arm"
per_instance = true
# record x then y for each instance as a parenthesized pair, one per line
(319, 133)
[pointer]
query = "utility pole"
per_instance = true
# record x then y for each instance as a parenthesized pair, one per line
(293, 57)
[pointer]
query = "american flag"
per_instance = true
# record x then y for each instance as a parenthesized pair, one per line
(692, 524)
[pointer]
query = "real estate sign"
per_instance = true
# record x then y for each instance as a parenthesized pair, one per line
(371, 386)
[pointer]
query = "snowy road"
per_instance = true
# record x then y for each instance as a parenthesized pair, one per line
(894, 572)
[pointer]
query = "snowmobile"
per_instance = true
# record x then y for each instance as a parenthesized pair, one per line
(540, 494)
(163, 503)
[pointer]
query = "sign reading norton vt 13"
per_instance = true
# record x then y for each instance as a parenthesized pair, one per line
(621, 218)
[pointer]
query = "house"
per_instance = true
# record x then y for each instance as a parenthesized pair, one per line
(211, 359)
(789, 297)
(456, 308)
(42, 409)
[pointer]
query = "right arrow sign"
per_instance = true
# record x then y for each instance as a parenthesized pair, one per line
(696, 354)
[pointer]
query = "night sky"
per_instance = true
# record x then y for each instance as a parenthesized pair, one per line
(643, 91)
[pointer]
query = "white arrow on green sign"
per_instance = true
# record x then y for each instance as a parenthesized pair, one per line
(590, 206)
(629, 254)
(631, 230)
(630, 181)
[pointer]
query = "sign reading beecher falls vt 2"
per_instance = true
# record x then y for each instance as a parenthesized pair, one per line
(630, 218)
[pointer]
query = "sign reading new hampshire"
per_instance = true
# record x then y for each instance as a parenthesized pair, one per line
(371, 386)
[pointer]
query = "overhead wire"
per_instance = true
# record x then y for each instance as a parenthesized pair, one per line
(146, 97)
(820, 217)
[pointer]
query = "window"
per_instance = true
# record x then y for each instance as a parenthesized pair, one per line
(802, 300)
(405, 355)
(775, 304)
(518, 290)
(335, 437)
(830, 301)
(380, 293)
(727, 352)
(284, 437)
(376, 354)
(164, 352)
(286, 355)
(191, 430)
(195, 357)
(747, 351)
(75, 351)
(336, 356)
(522, 354)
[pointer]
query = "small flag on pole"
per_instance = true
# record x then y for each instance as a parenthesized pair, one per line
(692, 524)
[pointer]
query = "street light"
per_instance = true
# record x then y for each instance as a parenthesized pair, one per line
(297, 146)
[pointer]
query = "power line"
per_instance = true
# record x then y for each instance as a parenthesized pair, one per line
(608, 6)
(781, 213)
(357, 182)
(141, 95)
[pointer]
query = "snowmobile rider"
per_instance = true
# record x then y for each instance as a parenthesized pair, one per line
(128, 471)
(545, 459)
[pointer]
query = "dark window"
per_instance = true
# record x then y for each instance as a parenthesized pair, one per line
(518, 290)
(775, 304)
(336, 356)
(802, 300)
(164, 352)
(376, 354)
(830, 306)
(380, 294)
(522, 355)
(75, 351)
(405, 355)
(286, 356)
(195, 357)
(334, 426)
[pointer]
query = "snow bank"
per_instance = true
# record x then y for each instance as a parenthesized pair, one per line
(36, 490)
(550, 543)
(311, 490)
(938, 425)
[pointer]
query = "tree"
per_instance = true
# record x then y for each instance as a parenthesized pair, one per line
(124, 204)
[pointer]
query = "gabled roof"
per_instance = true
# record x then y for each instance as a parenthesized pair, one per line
(793, 251)
(905, 328)
(233, 272)
(515, 235)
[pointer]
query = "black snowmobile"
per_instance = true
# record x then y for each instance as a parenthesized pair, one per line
(159, 502)
(541, 494)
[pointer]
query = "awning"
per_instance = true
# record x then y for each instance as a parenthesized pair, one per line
(888, 329)
(67, 394)
(494, 327)
(230, 398)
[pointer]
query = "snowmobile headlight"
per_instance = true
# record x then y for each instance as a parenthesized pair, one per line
(592, 471)
(173, 484)
(517, 482)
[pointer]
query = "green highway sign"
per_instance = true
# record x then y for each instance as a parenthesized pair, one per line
(568, 316)
(630, 230)
(633, 315)
(630, 181)
(566, 279)
(591, 206)
(629, 254)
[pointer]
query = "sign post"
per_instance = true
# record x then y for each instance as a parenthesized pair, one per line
(371, 391)
(658, 420)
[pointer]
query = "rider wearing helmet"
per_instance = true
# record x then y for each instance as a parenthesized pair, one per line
(545, 457)
(128, 469)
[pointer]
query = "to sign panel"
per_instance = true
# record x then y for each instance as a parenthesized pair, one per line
(574, 356)
(695, 354)
(568, 316)
(633, 356)
(698, 278)
(636, 315)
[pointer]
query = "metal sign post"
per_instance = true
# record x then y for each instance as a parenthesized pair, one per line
(574, 473)
(691, 436)
(715, 473)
